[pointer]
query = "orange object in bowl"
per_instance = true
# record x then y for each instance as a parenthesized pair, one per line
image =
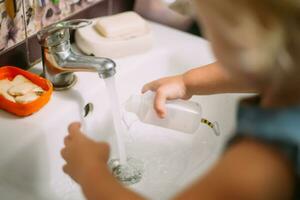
(25, 109)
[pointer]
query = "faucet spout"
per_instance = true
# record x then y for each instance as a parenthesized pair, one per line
(74, 62)
(60, 60)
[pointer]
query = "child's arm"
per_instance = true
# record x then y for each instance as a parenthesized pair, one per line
(248, 170)
(213, 79)
(209, 79)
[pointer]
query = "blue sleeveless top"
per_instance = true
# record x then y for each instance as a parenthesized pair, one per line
(279, 126)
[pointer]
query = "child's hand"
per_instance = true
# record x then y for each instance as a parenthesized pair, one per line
(167, 89)
(82, 154)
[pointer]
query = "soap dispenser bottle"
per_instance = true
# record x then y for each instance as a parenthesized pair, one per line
(183, 116)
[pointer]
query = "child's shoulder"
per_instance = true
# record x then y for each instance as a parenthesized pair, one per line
(278, 126)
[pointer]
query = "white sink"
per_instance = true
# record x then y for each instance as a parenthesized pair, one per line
(30, 161)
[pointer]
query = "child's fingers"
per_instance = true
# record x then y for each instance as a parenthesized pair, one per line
(67, 140)
(150, 86)
(159, 104)
(64, 153)
(66, 169)
(145, 88)
(74, 128)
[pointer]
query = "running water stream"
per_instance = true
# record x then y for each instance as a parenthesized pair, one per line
(128, 170)
(116, 112)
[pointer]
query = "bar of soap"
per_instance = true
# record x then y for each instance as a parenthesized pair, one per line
(38, 90)
(21, 89)
(5, 84)
(20, 82)
(19, 79)
(89, 41)
(26, 98)
(7, 96)
(124, 24)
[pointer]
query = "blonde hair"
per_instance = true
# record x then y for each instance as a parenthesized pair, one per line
(285, 80)
(276, 56)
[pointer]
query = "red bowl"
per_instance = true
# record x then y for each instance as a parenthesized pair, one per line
(25, 109)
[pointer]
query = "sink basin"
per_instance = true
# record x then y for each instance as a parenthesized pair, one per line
(30, 161)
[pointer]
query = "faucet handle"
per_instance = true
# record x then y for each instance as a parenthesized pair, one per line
(77, 23)
(58, 32)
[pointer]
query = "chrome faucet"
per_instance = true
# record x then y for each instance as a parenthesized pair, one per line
(60, 60)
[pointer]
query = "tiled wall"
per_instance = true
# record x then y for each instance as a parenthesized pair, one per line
(38, 13)
(18, 44)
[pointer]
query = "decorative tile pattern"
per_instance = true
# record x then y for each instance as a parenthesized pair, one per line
(11, 30)
(37, 14)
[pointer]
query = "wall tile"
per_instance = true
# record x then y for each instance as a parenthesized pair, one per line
(38, 14)
(11, 29)
(13, 48)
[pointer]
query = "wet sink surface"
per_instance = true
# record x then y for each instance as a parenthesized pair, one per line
(30, 162)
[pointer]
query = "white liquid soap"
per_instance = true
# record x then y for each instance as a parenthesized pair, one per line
(183, 116)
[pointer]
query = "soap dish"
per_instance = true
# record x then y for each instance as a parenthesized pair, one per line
(25, 109)
(90, 42)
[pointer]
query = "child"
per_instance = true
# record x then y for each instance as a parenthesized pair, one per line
(257, 46)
